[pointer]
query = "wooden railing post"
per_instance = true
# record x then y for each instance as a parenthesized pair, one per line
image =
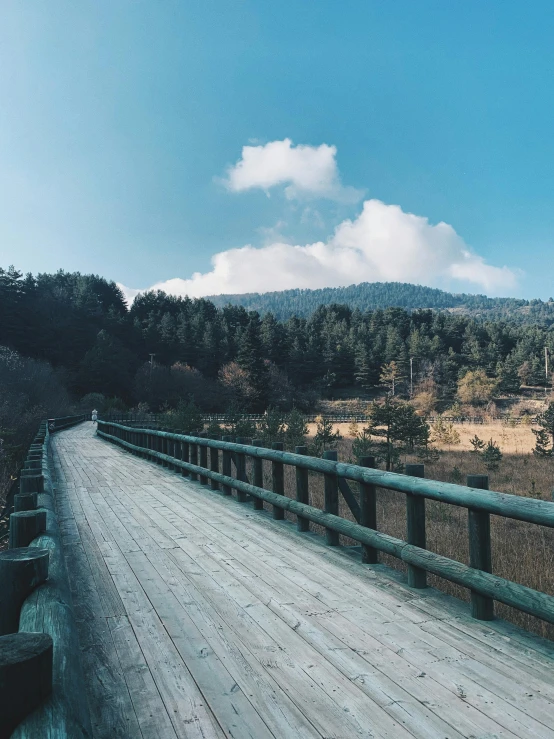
(226, 467)
(184, 455)
(214, 464)
(21, 571)
(278, 480)
(26, 526)
(331, 491)
(368, 512)
(479, 529)
(160, 448)
(415, 522)
(302, 490)
(241, 468)
(194, 460)
(203, 458)
(258, 474)
(26, 672)
(171, 443)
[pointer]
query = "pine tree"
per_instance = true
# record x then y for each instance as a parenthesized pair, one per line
(544, 435)
(491, 455)
(296, 429)
(251, 360)
(324, 436)
(399, 426)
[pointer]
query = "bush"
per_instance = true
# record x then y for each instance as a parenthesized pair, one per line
(475, 388)
(30, 390)
(491, 455)
(272, 427)
(186, 418)
(296, 429)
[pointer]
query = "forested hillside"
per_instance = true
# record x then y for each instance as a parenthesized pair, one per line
(81, 327)
(374, 295)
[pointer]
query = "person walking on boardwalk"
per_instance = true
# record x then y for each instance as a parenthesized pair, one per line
(94, 416)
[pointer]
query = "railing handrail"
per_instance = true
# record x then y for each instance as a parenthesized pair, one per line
(485, 587)
(500, 504)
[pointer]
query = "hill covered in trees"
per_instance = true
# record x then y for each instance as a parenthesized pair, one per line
(165, 348)
(374, 295)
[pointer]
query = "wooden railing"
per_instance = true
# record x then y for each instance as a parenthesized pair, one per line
(42, 686)
(189, 455)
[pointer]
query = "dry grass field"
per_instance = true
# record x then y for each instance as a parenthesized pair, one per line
(521, 552)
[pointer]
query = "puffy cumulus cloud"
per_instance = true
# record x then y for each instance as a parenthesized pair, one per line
(382, 244)
(307, 171)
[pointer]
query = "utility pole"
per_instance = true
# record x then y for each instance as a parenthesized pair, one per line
(411, 377)
(546, 366)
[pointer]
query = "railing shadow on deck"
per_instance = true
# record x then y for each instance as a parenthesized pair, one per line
(41, 681)
(189, 454)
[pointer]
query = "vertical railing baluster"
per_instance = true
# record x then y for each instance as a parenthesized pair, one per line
(258, 474)
(184, 455)
(214, 463)
(241, 469)
(331, 494)
(203, 453)
(226, 467)
(480, 556)
(415, 523)
(302, 489)
(194, 460)
(368, 512)
(278, 480)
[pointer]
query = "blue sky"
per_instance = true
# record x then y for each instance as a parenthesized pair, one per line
(122, 127)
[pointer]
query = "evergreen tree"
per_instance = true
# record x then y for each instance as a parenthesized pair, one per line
(399, 427)
(251, 360)
(544, 435)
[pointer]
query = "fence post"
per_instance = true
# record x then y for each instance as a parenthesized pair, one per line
(258, 474)
(479, 528)
(226, 466)
(331, 490)
(203, 458)
(194, 460)
(184, 455)
(21, 571)
(26, 526)
(415, 522)
(24, 502)
(302, 489)
(214, 463)
(159, 448)
(171, 447)
(241, 468)
(25, 676)
(368, 512)
(278, 480)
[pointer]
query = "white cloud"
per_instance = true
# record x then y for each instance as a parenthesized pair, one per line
(307, 171)
(382, 244)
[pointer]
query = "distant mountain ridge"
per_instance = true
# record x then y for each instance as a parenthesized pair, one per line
(372, 295)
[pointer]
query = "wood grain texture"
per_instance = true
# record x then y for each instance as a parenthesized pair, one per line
(21, 571)
(25, 677)
(231, 624)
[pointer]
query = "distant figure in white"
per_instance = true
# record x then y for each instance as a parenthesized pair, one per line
(94, 416)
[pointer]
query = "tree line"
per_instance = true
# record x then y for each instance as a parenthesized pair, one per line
(163, 348)
(374, 295)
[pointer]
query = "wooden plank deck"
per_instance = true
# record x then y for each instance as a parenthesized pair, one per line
(201, 618)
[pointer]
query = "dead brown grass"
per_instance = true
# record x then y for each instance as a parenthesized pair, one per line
(523, 553)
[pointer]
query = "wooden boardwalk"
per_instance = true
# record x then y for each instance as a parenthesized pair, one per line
(200, 618)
